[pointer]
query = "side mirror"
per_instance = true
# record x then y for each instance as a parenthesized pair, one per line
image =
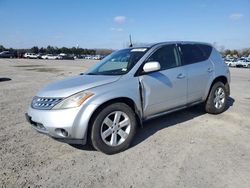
(151, 66)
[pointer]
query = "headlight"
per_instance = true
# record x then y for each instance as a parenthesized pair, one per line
(73, 101)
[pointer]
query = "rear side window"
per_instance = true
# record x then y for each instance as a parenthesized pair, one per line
(207, 50)
(193, 53)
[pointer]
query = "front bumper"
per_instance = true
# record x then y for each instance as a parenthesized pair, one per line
(68, 125)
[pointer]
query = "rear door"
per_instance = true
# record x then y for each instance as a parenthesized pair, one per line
(200, 70)
(167, 88)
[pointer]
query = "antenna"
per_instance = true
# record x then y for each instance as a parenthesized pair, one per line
(130, 40)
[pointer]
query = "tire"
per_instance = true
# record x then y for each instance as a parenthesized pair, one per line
(217, 99)
(105, 123)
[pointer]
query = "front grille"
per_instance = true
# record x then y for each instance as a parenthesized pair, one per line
(44, 103)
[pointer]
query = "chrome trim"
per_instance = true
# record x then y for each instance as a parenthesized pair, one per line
(44, 103)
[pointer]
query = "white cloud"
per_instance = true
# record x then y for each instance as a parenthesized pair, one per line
(120, 19)
(116, 29)
(236, 16)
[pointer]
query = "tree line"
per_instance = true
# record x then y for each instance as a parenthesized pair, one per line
(55, 50)
(84, 51)
(240, 53)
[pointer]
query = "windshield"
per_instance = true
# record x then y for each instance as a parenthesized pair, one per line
(118, 63)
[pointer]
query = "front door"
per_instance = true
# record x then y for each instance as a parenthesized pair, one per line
(165, 89)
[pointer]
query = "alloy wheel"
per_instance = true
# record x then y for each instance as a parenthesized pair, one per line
(115, 128)
(219, 97)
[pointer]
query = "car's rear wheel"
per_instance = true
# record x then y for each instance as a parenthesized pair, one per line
(217, 99)
(113, 128)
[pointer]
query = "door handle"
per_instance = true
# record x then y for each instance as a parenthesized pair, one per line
(180, 76)
(210, 70)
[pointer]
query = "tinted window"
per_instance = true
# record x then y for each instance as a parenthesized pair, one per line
(193, 53)
(205, 49)
(167, 56)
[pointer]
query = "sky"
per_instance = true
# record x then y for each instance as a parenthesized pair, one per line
(108, 23)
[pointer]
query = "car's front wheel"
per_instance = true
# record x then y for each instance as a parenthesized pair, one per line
(217, 99)
(113, 128)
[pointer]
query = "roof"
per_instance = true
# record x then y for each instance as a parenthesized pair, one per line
(150, 45)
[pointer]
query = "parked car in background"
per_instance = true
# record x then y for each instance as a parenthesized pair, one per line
(230, 62)
(246, 64)
(103, 56)
(7, 54)
(243, 63)
(88, 57)
(31, 56)
(51, 56)
(128, 87)
(96, 57)
(81, 56)
(66, 56)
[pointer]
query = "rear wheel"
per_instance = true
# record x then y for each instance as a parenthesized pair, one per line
(217, 99)
(113, 128)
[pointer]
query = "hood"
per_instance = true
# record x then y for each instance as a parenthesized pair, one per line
(75, 84)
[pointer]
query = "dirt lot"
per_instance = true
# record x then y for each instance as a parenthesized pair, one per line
(184, 149)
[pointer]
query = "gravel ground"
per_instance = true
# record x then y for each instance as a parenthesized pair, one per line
(188, 148)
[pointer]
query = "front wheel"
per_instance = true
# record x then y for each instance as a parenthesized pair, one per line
(113, 128)
(217, 99)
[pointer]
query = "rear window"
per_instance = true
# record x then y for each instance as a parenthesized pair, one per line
(193, 53)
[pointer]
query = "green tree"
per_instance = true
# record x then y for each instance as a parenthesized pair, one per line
(65, 50)
(227, 52)
(50, 50)
(235, 52)
(2, 48)
(34, 49)
(42, 50)
(245, 52)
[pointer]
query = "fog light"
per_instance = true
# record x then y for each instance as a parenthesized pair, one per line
(62, 132)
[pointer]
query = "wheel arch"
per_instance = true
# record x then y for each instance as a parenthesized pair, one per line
(125, 100)
(222, 79)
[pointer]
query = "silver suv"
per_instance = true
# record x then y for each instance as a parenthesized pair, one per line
(106, 104)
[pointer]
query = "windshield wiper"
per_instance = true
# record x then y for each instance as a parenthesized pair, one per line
(91, 73)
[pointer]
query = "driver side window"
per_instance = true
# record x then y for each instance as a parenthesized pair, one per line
(167, 56)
